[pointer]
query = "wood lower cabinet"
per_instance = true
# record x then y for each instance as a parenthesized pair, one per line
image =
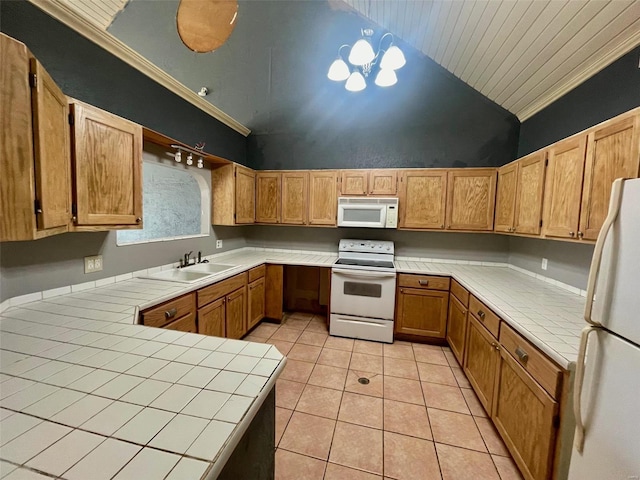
(107, 169)
(295, 198)
(471, 196)
(383, 182)
(529, 193)
(421, 312)
(274, 292)
(35, 159)
(506, 198)
(184, 324)
(268, 197)
(256, 303)
(457, 328)
(233, 195)
(525, 416)
(211, 319)
(613, 151)
(481, 361)
(423, 198)
(236, 314)
(323, 198)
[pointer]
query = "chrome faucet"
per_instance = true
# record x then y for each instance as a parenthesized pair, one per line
(187, 261)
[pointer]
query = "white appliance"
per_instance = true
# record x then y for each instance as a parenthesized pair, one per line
(607, 386)
(363, 291)
(368, 212)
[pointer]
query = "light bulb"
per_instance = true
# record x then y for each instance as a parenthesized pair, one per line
(200, 163)
(338, 71)
(361, 53)
(386, 78)
(190, 159)
(393, 59)
(355, 82)
(178, 156)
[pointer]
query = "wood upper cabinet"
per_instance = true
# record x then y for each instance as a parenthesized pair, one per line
(236, 314)
(383, 182)
(35, 160)
(524, 414)
(233, 195)
(529, 193)
(613, 151)
(211, 318)
(354, 182)
(457, 327)
(295, 195)
(563, 188)
(471, 196)
(423, 197)
(323, 198)
(256, 302)
(421, 312)
(107, 160)
(268, 198)
(481, 361)
(506, 198)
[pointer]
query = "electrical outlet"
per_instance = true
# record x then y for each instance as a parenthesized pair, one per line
(218, 243)
(544, 264)
(93, 264)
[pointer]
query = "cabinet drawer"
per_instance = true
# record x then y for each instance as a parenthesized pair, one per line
(257, 272)
(489, 319)
(423, 281)
(546, 373)
(169, 311)
(460, 293)
(184, 324)
(220, 289)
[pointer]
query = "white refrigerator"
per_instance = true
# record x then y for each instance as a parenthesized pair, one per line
(607, 385)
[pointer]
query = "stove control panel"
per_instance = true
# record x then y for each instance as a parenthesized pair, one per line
(366, 246)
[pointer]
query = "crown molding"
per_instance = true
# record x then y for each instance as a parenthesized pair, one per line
(102, 38)
(599, 63)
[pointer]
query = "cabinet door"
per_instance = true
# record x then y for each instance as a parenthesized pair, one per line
(563, 188)
(211, 319)
(295, 194)
(612, 152)
(323, 208)
(383, 182)
(256, 302)
(506, 197)
(245, 195)
(529, 192)
(481, 361)
(267, 197)
(471, 196)
(236, 314)
(274, 292)
(457, 327)
(422, 312)
(52, 152)
(354, 182)
(524, 415)
(423, 196)
(107, 153)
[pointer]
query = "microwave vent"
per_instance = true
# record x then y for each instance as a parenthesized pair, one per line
(367, 201)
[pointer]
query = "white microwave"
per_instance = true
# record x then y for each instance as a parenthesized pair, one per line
(368, 212)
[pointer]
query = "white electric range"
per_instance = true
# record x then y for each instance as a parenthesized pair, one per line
(363, 290)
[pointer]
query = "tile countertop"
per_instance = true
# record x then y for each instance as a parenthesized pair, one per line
(82, 385)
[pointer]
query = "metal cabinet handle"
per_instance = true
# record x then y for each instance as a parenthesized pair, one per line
(572, 234)
(580, 234)
(170, 313)
(423, 282)
(495, 345)
(442, 226)
(481, 314)
(138, 220)
(522, 355)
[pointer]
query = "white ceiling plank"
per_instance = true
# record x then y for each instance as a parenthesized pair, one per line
(413, 22)
(471, 12)
(423, 26)
(451, 30)
(518, 11)
(439, 30)
(580, 46)
(434, 13)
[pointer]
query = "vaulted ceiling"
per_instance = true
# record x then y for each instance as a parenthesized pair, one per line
(522, 54)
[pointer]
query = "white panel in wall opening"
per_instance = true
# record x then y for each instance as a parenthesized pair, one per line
(176, 202)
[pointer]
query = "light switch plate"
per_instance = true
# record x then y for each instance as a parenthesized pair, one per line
(218, 243)
(93, 264)
(544, 264)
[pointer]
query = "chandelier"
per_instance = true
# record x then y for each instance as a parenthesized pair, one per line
(365, 62)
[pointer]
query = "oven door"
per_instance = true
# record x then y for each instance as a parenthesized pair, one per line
(363, 293)
(364, 215)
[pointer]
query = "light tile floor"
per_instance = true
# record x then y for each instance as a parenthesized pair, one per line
(416, 419)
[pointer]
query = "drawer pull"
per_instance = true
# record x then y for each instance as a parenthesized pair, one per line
(423, 282)
(522, 355)
(481, 314)
(495, 345)
(170, 313)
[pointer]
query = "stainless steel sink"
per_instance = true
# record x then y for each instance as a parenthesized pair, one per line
(182, 276)
(209, 268)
